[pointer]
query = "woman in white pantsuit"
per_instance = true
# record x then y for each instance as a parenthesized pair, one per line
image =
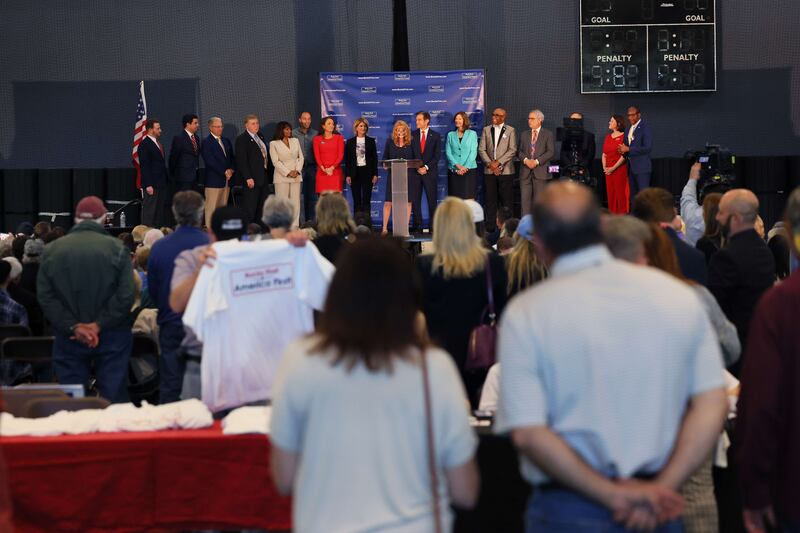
(287, 156)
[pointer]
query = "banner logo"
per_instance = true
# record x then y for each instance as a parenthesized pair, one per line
(435, 88)
(370, 114)
(402, 77)
(335, 102)
(469, 75)
(334, 77)
(402, 101)
(469, 100)
(369, 89)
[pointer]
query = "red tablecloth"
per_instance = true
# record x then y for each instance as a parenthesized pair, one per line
(150, 481)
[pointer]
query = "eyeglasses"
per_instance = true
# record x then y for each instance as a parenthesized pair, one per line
(498, 115)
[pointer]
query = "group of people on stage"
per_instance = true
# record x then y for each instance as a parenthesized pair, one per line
(308, 162)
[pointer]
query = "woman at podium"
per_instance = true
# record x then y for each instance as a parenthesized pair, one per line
(397, 147)
(328, 153)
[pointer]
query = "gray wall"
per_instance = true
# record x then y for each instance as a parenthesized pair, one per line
(68, 69)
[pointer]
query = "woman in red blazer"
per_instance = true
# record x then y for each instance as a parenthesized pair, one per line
(328, 153)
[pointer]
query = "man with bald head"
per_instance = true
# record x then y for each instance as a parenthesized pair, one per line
(744, 268)
(217, 152)
(497, 148)
(609, 409)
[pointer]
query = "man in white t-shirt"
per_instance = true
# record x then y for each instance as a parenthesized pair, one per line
(258, 297)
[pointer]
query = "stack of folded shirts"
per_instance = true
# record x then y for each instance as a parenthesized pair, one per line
(247, 420)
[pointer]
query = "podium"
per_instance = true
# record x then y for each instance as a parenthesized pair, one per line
(399, 172)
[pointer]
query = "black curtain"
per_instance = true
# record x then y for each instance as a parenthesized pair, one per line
(400, 59)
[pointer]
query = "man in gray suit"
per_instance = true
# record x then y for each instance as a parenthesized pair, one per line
(536, 149)
(497, 148)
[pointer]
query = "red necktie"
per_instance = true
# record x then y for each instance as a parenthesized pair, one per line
(422, 143)
(161, 148)
(194, 144)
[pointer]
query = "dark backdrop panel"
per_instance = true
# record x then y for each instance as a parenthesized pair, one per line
(530, 50)
(68, 88)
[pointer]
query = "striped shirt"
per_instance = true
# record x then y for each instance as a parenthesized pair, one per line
(606, 354)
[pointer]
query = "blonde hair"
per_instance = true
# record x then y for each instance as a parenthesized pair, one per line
(457, 249)
(360, 120)
(333, 215)
(523, 265)
(403, 125)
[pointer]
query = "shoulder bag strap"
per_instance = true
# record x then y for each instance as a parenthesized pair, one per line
(431, 447)
(490, 291)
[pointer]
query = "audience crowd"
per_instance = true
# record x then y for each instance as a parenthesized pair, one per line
(646, 367)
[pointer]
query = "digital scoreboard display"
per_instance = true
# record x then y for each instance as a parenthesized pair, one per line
(639, 46)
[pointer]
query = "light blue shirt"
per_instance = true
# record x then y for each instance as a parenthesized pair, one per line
(606, 354)
(462, 152)
(306, 144)
(692, 213)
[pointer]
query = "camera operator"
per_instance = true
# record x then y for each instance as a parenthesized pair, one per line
(577, 150)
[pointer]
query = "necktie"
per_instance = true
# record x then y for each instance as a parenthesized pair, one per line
(422, 143)
(263, 148)
(630, 134)
(194, 144)
(161, 148)
(219, 141)
(534, 136)
(494, 142)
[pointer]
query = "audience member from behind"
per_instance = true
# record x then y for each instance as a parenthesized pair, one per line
(655, 205)
(454, 285)
(334, 225)
(11, 311)
(692, 212)
(523, 266)
(610, 410)
(365, 360)
(85, 288)
(279, 215)
(34, 248)
(56, 233)
(768, 425)
(188, 209)
(18, 246)
(711, 241)
(41, 229)
(744, 269)
(25, 298)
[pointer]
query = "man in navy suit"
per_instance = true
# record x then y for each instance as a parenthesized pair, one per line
(638, 144)
(426, 145)
(153, 167)
(184, 155)
(217, 153)
(657, 205)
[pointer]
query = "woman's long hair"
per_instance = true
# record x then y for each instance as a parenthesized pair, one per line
(457, 250)
(523, 265)
(333, 215)
(371, 313)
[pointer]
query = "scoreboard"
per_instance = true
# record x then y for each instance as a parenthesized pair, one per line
(639, 46)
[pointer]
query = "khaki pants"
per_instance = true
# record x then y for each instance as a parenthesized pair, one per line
(215, 197)
(292, 192)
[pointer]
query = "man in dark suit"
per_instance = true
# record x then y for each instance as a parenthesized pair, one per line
(581, 152)
(217, 153)
(536, 149)
(657, 205)
(251, 167)
(744, 268)
(426, 145)
(638, 144)
(153, 167)
(184, 155)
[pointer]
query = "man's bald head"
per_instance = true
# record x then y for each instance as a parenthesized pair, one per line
(738, 210)
(566, 218)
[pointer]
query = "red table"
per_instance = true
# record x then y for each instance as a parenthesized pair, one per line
(149, 481)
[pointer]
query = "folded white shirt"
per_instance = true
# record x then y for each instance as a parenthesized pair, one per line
(249, 419)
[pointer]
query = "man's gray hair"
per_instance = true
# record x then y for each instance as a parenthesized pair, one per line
(625, 237)
(538, 114)
(213, 120)
(188, 208)
(278, 212)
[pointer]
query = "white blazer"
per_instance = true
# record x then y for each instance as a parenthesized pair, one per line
(286, 159)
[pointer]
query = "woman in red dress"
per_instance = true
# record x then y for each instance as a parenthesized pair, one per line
(328, 153)
(615, 168)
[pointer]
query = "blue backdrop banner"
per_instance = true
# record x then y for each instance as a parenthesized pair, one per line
(386, 97)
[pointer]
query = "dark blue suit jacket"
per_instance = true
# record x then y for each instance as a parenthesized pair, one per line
(642, 145)
(183, 162)
(691, 260)
(152, 164)
(216, 161)
(433, 149)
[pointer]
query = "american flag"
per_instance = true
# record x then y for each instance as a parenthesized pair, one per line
(139, 132)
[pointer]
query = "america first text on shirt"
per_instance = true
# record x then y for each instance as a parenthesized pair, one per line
(272, 277)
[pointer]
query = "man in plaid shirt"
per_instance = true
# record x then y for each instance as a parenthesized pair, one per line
(11, 312)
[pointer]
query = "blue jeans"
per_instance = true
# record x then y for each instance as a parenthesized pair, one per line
(309, 192)
(171, 364)
(564, 511)
(72, 362)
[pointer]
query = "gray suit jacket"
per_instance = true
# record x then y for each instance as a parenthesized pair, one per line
(544, 152)
(504, 152)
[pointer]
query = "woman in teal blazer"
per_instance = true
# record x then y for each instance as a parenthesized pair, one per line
(461, 149)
